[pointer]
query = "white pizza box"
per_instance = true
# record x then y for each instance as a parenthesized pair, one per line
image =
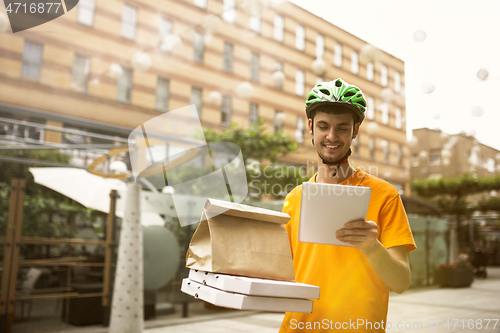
(255, 286)
(245, 302)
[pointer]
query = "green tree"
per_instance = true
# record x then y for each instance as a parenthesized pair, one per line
(261, 152)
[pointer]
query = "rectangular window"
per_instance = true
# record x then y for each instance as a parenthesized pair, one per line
(386, 151)
(354, 62)
(415, 161)
(490, 165)
(162, 94)
(278, 121)
(254, 23)
(299, 82)
(370, 108)
(371, 146)
(196, 99)
(385, 113)
(300, 37)
(337, 55)
(278, 67)
(254, 114)
(397, 82)
(124, 86)
(198, 47)
(129, 22)
(228, 57)
(229, 10)
(254, 67)
(320, 46)
(165, 29)
(279, 28)
(369, 71)
(226, 111)
(383, 76)
(299, 131)
(356, 146)
(200, 3)
(435, 157)
(81, 71)
(32, 60)
(400, 155)
(86, 9)
(399, 122)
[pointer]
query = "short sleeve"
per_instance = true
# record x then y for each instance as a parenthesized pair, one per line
(394, 225)
(287, 208)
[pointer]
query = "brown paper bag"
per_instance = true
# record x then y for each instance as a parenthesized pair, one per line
(242, 240)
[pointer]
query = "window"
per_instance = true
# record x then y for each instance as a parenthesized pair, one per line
(129, 22)
(300, 37)
(198, 47)
(371, 146)
(299, 82)
(254, 67)
(32, 60)
(370, 108)
(320, 46)
(356, 146)
(490, 165)
(124, 90)
(254, 114)
(228, 57)
(81, 71)
(386, 147)
(319, 80)
(200, 3)
(165, 29)
(299, 131)
(278, 66)
(278, 121)
(254, 23)
(383, 76)
(226, 111)
(397, 82)
(162, 94)
(86, 9)
(385, 113)
(399, 123)
(400, 155)
(435, 157)
(415, 161)
(369, 71)
(229, 10)
(354, 62)
(279, 28)
(337, 55)
(196, 99)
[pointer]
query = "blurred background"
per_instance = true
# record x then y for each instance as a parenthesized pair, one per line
(72, 91)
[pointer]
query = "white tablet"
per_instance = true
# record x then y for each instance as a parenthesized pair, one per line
(325, 208)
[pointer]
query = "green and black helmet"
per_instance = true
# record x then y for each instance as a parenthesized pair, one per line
(339, 93)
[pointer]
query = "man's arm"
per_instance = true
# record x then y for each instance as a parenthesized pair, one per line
(391, 265)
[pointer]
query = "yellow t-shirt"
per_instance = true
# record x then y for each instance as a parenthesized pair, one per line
(350, 290)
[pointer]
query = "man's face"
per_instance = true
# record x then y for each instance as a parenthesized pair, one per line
(333, 134)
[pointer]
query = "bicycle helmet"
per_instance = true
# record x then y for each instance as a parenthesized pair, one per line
(340, 93)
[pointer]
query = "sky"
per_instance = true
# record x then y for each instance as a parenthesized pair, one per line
(462, 37)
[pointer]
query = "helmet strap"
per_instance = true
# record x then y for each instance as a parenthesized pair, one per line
(338, 163)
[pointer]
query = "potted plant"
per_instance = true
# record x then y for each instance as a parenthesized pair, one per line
(455, 275)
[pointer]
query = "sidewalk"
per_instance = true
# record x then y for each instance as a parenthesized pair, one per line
(415, 308)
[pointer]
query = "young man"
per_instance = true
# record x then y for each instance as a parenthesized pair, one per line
(354, 281)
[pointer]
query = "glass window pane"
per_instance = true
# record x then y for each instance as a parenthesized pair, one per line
(397, 82)
(198, 46)
(300, 36)
(369, 71)
(385, 113)
(254, 23)
(32, 60)
(383, 76)
(162, 94)
(354, 62)
(370, 112)
(254, 67)
(85, 16)
(228, 57)
(201, 3)
(254, 113)
(129, 22)
(320, 46)
(81, 71)
(279, 26)
(229, 10)
(299, 132)
(124, 86)
(337, 55)
(196, 99)
(299, 82)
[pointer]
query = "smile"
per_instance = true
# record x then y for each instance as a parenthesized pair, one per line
(331, 147)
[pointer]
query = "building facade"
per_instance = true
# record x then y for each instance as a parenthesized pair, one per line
(64, 74)
(435, 154)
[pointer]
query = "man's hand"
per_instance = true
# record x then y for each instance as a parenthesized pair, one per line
(360, 233)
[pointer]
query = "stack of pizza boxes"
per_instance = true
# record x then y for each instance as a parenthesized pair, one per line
(240, 258)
